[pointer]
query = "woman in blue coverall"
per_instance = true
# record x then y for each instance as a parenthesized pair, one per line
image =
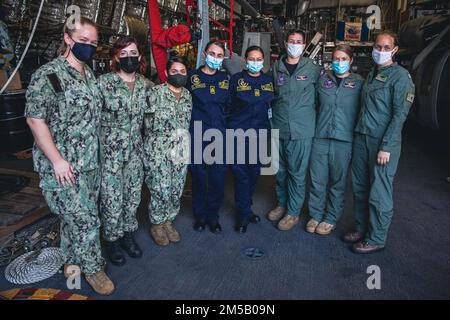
(251, 92)
(209, 89)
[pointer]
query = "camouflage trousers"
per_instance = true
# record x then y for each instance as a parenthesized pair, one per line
(120, 195)
(78, 211)
(165, 180)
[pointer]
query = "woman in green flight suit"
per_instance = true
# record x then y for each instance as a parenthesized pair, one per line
(339, 93)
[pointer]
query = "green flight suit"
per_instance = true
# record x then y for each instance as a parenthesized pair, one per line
(71, 109)
(339, 106)
(166, 122)
(121, 153)
(387, 96)
(294, 115)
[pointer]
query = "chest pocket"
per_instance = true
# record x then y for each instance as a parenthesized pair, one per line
(78, 106)
(351, 90)
(114, 114)
(327, 89)
(379, 96)
(163, 120)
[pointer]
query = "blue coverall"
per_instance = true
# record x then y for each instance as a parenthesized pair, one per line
(249, 108)
(209, 99)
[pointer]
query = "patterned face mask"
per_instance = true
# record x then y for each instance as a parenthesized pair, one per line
(213, 63)
(255, 66)
(341, 67)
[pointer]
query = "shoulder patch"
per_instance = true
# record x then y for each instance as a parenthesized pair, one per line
(410, 97)
(196, 82)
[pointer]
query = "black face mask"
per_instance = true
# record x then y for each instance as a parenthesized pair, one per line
(177, 80)
(129, 64)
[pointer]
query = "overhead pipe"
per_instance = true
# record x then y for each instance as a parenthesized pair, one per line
(248, 8)
(226, 7)
(303, 7)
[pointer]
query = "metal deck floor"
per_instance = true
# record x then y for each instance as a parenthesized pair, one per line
(297, 265)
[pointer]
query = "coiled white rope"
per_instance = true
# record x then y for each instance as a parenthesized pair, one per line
(35, 266)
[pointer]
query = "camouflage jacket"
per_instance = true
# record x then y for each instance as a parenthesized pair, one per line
(163, 117)
(72, 114)
(5, 41)
(122, 117)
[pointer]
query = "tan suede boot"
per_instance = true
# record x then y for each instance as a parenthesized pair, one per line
(311, 225)
(325, 228)
(159, 234)
(172, 234)
(101, 283)
(276, 213)
(288, 222)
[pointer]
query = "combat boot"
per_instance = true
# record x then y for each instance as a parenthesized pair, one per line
(114, 253)
(159, 234)
(276, 213)
(130, 246)
(172, 234)
(325, 228)
(311, 225)
(288, 222)
(101, 283)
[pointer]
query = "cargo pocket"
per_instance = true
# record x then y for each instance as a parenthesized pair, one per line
(60, 200)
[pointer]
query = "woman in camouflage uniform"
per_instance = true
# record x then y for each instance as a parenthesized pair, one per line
(121, 151)
(63, 113)
(166, 123)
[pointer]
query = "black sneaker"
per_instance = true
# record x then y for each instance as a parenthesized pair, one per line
(215, 227)
(199, 225)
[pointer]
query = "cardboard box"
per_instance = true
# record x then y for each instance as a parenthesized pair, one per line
(15, 84)
(353, 31)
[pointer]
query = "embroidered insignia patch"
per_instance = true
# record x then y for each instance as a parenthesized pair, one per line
(410, 97)
(328, 83)
(242, 85)
(224, 84)
(381, 78)
(302, 77)
(267, 87)
(196, 82)
(282, 79)
(195, 79)
(351, 85)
